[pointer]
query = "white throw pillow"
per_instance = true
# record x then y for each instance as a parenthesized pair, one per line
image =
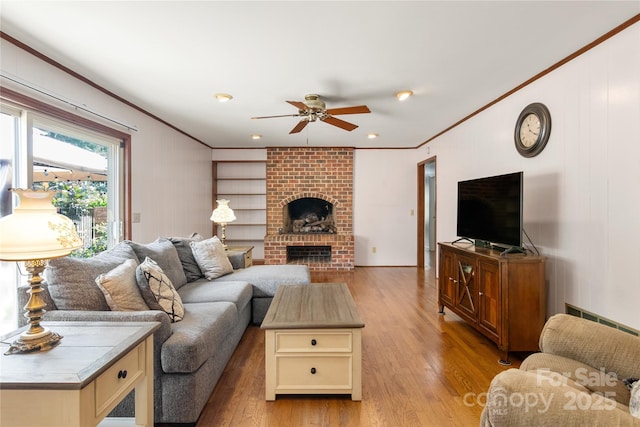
(634, 402)
(162, 289)
(120, 288)
(211, 258)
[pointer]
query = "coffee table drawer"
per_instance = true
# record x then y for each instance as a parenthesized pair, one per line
(313, 342)
(313, 372)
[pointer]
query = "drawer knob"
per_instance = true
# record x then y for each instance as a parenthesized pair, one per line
(122, 374)
(314, 342)
(313, 370)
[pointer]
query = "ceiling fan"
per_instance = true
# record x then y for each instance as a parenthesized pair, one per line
(313, 108)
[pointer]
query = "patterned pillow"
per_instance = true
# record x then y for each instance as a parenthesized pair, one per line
(211, 258)
(120, 288)
(189, 264)
(158, 291)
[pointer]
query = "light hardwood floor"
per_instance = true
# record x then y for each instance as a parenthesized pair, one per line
(420, 368)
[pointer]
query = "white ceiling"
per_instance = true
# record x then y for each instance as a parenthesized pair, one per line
(171, 57)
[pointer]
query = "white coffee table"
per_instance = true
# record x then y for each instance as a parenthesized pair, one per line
(313, 341)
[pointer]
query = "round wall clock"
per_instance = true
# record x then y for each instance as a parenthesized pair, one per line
(533, 128)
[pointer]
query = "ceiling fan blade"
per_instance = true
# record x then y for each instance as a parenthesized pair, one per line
(299, 105)
(271, 117)
(301, 125)
(359, 109)
(339, 123)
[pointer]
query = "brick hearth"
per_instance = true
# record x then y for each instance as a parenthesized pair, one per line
(323, 173)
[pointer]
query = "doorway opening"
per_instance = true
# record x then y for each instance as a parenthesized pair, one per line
(427, 213)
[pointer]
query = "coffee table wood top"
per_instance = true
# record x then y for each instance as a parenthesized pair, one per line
(312, 306)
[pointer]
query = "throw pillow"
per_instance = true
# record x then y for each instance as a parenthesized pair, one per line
(211, 258)
(120, 288)
(165, 254)
(71, 281)
(154, 281)
(189, 264)
(634, 402)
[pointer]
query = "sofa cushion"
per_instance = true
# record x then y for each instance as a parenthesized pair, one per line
(189, 264)
(163, 252)
(197, 337)
(72, 280)
(266, 278)
(239, 293)
(120, 288)
(211, 258)
(153, 281)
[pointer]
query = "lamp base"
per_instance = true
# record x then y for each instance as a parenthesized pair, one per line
(28, 343)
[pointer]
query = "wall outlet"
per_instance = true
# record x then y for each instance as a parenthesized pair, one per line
(373, 250)
(412, 212)
(136, 217)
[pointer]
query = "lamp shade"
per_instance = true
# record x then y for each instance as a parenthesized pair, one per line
(35, 230)
(223, 214)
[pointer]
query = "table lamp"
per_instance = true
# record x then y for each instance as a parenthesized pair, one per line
(35, 233)
(223, 215)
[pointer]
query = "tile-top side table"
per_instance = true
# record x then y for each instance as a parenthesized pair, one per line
(78, 382)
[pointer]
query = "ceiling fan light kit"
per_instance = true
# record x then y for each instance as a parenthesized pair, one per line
(313, 108)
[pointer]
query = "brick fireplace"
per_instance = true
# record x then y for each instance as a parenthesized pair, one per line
(325, 176)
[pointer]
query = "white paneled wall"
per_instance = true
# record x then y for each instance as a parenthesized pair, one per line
(581, 204)
(171, 173)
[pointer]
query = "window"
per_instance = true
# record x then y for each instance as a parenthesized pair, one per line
(85, 163)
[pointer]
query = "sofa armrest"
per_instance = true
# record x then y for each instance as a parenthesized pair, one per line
(160, 335)
(524, 398)
(596, 345)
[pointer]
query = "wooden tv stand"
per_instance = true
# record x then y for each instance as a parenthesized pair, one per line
(502, 297)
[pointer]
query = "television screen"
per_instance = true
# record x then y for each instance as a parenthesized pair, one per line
(490, 209)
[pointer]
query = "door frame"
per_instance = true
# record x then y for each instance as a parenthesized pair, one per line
(421, 206)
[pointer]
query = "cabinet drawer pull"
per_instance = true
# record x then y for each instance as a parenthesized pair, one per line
(313, 371)
(122, 374)
(314, 342)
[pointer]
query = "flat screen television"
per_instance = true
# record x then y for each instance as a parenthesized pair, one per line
(490, 210)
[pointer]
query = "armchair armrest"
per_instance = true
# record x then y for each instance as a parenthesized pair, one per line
(591, 343)
(524, 398)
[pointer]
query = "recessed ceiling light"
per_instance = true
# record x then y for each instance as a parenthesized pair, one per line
(223, 97)
(256, 136)
(402, 95)
(372, 135)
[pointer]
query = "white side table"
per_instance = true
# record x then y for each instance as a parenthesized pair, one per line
(78, 382)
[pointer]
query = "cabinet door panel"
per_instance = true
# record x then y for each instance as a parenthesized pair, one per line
(466, 291)
(489, 299)
(448, 275)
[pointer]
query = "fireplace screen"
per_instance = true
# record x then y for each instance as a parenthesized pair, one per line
(308, 215)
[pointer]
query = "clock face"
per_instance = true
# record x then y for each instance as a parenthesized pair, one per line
(530, 130)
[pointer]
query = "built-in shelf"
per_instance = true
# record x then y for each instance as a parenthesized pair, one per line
(244, 185)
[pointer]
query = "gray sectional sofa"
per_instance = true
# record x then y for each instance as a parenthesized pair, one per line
(190, 354)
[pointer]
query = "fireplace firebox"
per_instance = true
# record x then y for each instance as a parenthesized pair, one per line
(308, 215)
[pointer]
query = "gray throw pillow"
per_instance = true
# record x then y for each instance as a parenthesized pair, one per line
(71, 281)
(211, 258)
(165, 254)
(189, 264)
